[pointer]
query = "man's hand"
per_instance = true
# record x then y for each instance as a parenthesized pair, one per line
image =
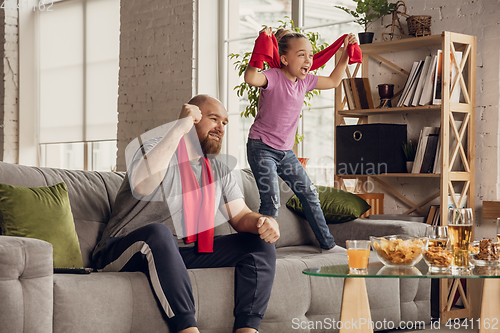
(190, 111)
(268, 229)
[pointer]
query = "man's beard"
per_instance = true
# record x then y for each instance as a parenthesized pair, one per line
(210, 146)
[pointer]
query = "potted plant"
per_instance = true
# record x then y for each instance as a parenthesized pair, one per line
(366, 12)
(410, 149)
(253, 93)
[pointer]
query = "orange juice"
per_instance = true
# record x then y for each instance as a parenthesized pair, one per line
(358, 258)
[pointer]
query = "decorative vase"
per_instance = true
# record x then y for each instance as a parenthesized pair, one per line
(386, 92)
(409, 166)
(365, 37)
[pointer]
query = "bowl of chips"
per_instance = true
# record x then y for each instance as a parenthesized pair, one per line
(399, 250)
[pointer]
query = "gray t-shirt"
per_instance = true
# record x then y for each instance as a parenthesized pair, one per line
(132, 211)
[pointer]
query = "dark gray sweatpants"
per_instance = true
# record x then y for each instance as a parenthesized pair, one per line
(153, 250)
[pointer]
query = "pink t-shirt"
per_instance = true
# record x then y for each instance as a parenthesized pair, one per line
(280, 103)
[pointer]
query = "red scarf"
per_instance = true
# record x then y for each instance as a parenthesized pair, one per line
(198, 203)
(266, 49)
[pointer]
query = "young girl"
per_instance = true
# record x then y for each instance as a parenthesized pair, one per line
(272, 135)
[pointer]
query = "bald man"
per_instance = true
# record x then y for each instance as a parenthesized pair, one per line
(174, 185)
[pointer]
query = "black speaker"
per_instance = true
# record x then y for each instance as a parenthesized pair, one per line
(370, 149)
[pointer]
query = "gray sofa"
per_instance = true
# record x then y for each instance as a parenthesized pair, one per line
(33, 299)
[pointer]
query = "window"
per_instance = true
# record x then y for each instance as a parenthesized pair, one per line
(76, 62)
(317, 123)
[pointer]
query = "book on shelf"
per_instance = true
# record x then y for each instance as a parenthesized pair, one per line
(413, 85)
(407, 85)
(432, 215)
(358, 93)
(348, 94)
(430, 153)
(426, 97)
(421, 147)
(437, 93)
(421, 80)
(437, 158)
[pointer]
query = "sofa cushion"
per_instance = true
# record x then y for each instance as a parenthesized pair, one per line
(338, 206)
(42, 213)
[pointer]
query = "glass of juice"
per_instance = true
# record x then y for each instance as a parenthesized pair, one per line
(358, 252)
(460, 221)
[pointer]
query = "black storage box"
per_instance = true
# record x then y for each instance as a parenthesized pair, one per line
(370, 149)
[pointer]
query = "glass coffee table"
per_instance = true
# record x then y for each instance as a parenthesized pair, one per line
(355, 307)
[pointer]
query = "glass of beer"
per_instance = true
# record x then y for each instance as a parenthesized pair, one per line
(358, 252)
(460, 221)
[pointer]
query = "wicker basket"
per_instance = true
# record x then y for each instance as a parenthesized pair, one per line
(419, 25)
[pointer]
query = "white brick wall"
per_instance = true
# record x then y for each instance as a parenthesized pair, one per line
(156, 65)
(9, 68)
(481, 19)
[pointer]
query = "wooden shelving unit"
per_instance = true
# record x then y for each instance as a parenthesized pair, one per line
(449, 180)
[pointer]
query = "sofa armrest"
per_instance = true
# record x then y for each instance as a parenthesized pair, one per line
(364, 228)
(26, 285)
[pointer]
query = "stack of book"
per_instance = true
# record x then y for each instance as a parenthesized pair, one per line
(427, 150)
(428, 155)
(423, 85)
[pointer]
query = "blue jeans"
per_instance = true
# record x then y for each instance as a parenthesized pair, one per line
(267, 164)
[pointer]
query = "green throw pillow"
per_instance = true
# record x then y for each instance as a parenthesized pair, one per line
(338, 206)
(42, 213)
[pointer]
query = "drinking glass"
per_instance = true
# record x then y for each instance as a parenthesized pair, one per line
(460, 221)
(437, 254)
(358, 252)
(438, 236)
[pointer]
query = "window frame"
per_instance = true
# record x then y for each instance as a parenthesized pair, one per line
(31, 148)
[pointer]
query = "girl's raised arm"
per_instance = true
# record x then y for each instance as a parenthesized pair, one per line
(252, 75)
(255, 78)
(333, 81)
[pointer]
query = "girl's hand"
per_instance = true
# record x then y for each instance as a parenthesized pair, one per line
(267, 30)
(350, 39)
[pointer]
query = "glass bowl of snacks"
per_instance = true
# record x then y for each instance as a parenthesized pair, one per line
(437, 258)
(437, 254)
(399, 250)
(486, 255)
